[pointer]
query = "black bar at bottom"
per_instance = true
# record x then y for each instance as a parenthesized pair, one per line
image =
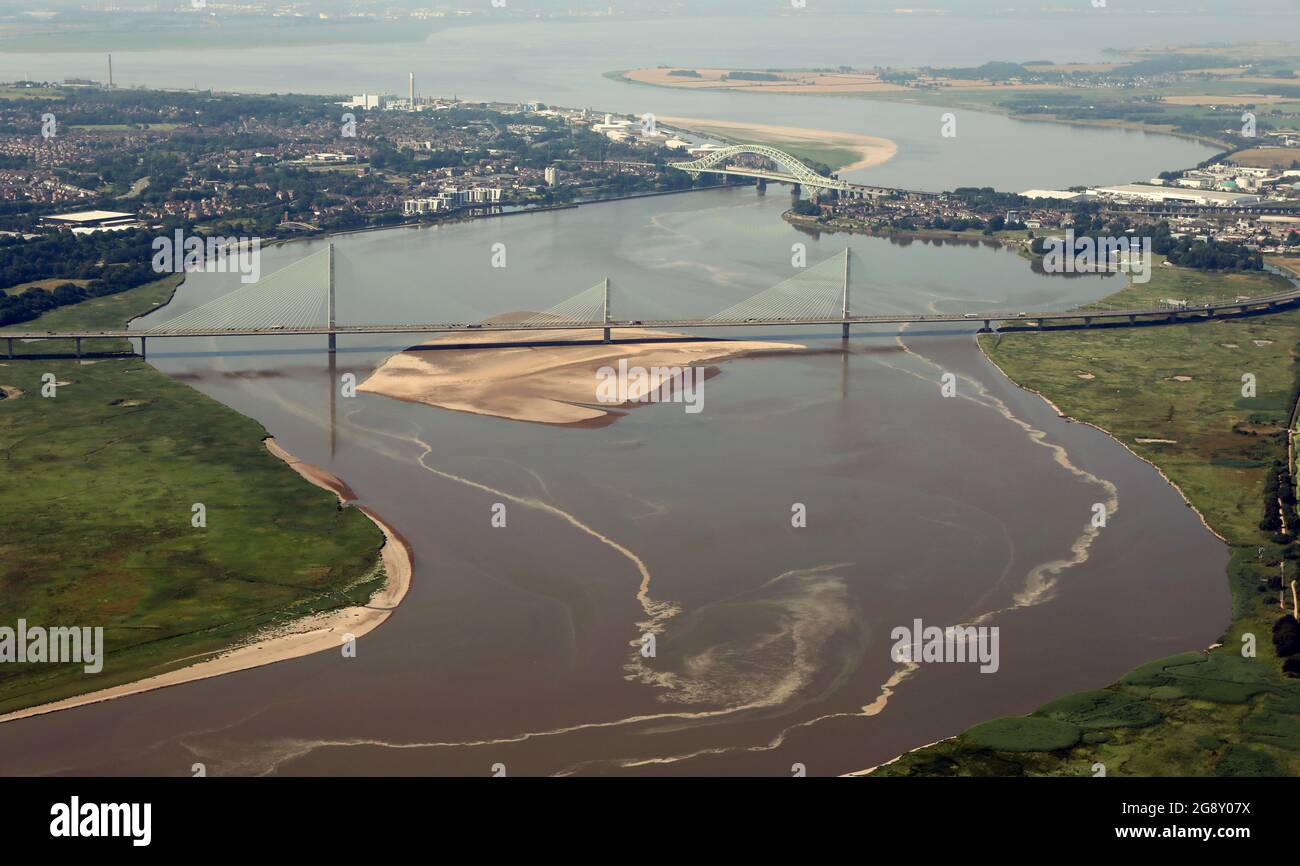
(309, 815)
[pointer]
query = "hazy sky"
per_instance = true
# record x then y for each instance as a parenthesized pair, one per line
(745, 7)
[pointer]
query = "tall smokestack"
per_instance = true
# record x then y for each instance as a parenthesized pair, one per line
(412, 89)
(110, 70)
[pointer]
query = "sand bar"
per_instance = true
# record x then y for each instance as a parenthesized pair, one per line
(317, 633)
(541, 384)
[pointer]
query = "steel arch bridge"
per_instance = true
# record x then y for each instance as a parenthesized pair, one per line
(797, 172)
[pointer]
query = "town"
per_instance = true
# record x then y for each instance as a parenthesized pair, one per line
(91, 157)
(1258, 208)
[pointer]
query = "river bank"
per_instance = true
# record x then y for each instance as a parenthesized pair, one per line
(812, 224)
(131, 556)
(312, 634)
(948, 98)
(471, 217)
(1158, 394)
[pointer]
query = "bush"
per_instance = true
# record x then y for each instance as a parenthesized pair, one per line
(1100, 709)
(1286, 636)
(1024, 734)
(1245, 761)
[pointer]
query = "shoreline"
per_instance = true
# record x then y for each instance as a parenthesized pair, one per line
(466, 218)
(866, 772)
(303, 636)
(811, 224)
(898, 97)
(1072, 420)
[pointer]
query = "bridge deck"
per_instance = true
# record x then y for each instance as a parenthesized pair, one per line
(1196, 312)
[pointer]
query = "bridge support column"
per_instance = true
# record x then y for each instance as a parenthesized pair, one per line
(144, 351)
(987, 324)
(1087, 321)
(1132, 320)
(11, 348)
(78, 340)
(333, 342)
(844, 306)
(605, 314)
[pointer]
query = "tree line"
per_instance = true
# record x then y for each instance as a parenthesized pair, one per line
(109, 262)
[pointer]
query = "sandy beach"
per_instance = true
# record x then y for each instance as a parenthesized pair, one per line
(870, 149)
(541, 384)
(318, 633)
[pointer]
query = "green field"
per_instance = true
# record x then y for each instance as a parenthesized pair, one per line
(109, 312)
(1215, 713)
(96, 501)
(1193, 286)
(31, 93)
(43, 285)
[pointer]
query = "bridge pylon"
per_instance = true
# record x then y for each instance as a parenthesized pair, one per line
(844, 334)
(605, 315)
(333, 339)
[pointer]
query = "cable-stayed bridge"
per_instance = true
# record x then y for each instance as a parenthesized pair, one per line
(300, 300)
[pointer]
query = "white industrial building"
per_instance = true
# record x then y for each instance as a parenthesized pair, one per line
(1149, 192)
(89, 221)
(366, 100)
(1058, 194)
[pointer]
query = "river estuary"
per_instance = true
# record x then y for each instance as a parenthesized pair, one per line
(518, 645)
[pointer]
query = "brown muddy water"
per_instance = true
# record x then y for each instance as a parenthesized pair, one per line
(519, 645)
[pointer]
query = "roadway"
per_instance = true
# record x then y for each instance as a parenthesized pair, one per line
(1263, 303)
